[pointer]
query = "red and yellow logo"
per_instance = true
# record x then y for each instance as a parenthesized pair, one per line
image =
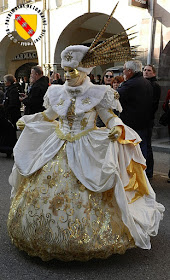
(25, 25)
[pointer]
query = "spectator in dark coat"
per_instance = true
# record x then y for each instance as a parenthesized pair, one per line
(149, 73)
(34, 100)
(12, 103)
(166, 108)
(7, 133)
(136, 97)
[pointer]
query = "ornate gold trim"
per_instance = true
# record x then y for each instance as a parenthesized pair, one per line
(122, 140)
(113, 116)
(111, 112)
(46, 118)
(70, 138)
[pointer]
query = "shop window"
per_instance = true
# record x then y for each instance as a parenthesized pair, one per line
(3, 5)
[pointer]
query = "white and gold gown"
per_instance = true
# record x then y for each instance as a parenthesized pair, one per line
(77, 195)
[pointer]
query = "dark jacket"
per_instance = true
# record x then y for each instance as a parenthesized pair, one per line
(34, 101)
(156, 94)
(7, 134)
(2, 95)
(136, 97)
(166, 108)
(12, 104)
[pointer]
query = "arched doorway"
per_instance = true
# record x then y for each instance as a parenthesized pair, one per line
(8, 50)
(83, 30)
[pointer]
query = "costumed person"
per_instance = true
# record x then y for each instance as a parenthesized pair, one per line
(78, 191)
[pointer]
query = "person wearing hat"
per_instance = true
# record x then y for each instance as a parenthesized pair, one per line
(78, 191)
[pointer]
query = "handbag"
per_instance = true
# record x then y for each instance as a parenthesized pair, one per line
(164, 118)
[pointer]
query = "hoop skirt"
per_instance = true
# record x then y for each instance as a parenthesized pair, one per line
(79, 196)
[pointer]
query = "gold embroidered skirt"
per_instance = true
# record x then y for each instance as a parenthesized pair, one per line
(54, 216)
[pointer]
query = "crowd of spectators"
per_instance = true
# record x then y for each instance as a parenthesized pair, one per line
(139, 97)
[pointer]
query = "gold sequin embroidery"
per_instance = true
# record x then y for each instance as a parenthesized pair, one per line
(71, 113)
(116, 95)
(74, 91)
(86, 101)
(70, 138)
(84, 123)
(67, 222)
(61, 102)
(68, 56)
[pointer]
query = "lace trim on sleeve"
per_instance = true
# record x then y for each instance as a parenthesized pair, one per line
(46, 118)
(110, 100)
(46, 103)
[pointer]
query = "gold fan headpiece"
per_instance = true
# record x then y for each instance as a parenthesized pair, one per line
(115, 48)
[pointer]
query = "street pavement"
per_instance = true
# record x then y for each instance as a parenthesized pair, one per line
(136, 264)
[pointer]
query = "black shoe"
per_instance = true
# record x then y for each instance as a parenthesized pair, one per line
(168, 180)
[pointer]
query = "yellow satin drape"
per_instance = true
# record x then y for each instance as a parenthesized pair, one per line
(137, 180)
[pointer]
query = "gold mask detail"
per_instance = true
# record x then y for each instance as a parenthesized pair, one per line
(71, 73)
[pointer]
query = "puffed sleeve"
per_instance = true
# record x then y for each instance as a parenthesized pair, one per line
(48, 114)
(107, 105)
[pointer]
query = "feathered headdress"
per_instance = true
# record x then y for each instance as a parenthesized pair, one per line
(115, 48)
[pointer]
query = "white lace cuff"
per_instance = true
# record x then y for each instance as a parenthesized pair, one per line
(49, 114)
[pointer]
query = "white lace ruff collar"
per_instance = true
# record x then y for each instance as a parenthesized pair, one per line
(86, 97)
(79, 90)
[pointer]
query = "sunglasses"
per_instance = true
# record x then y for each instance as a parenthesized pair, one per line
(109, 76)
